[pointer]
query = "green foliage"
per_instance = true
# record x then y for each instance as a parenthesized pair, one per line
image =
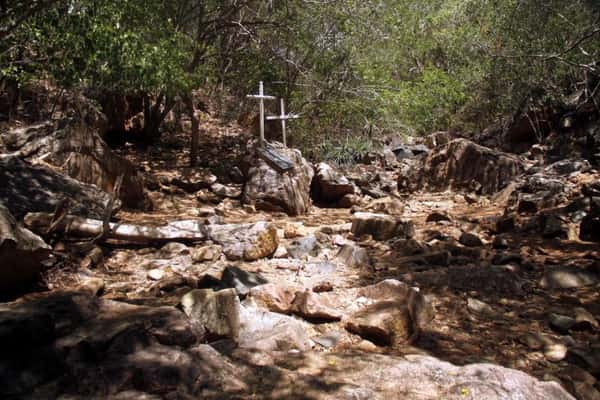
(353, 68)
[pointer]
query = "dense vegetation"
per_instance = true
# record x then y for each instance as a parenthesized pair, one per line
(353, 68)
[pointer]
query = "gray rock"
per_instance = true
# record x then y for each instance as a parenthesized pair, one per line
(232, 192)
(32, 188)
(270, 190)
(480, 307)
(269, 331)
(567, 277)
(240, 280)
(218, 312)
(302, 247)
(353, 256)
(561, 323)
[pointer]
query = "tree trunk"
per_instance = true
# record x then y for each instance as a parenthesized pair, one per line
(154, 115)
(191, 109)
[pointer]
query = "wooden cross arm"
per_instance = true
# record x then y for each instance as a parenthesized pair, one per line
(259, 96)
(284, 117)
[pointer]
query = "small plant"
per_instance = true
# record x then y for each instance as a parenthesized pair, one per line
(347, 151)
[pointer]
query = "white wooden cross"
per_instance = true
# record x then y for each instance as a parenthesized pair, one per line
(261, 97)
(283, 117)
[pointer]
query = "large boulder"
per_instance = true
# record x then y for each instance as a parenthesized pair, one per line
(21, 252)
(27, 188)
(328, 185)
(464, 165)
(80, 152)
(271, 190)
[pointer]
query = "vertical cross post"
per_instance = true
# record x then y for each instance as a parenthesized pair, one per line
(283, 117)
(261, 99)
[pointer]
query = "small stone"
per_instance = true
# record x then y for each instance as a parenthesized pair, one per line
(273, 297)
(555, 352)
(206, 253)
(470, 240)
(567, 278)
(303, 247)
(323, 287)
(500, 242)
(584, 319)
(561, 323)
(232, 192)
(155, 274)
(173, 249)
(479, 307)
(281, 252)
(438, 216)
(328, 340)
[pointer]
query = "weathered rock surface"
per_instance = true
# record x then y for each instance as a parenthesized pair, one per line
(275, 297)
(568, 277)
(83, 155)
(245, 241)
(21, 252)
(463, 165)
(217, 312)
(381, 226)
(269, 331)
(270, 190)
(302, 247)
(328, 185)
(353, 256)
(26, 188)
(314, 306)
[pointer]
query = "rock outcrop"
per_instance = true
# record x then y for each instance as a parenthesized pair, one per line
(83, 155)
(462, 165)
(21, 252)
(27, 188)
(271, 190)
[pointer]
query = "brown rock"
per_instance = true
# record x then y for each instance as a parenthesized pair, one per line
(21, 252)
(247, 242)
(381, 226)
(315, 306)
(384, 322)
(270, 190)
(328, 185)
(274, 297)
(462, 164)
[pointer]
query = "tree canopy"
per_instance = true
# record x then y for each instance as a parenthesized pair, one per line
(352, 67)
